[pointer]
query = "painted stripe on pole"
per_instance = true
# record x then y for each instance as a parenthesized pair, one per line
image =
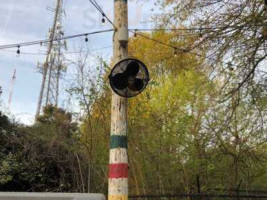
(118, 141)
(119, 170)
(117, 197)
(118, 155)
(117, 186)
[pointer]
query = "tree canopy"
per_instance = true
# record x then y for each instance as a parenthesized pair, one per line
(201, 120)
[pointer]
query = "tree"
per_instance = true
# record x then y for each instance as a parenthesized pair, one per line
(89, 90)
(42, 157)
(234, 32)
(177, 128)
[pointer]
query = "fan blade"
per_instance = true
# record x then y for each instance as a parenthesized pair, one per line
(119, 81)
(137, 86)
(132, 69)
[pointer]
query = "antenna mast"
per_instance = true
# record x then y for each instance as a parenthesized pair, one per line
(53, 66)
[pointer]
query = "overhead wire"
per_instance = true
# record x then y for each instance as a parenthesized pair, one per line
(93, 2)
(19, 45)
(96, 32)
(96, 5)
(178, 48)
(43, 54)
(194, 28)
(102, 12)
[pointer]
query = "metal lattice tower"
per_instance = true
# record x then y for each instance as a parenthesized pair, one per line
(53, 67)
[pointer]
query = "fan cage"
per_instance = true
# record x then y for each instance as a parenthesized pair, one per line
(121, 67)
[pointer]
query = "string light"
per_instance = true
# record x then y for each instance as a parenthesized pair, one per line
(65, 53)
(95, 4)
(18, 51)
(175, 52)
(178, 48)
(86, 38)
(196, 28)
(8, 46)
(230, 66)
(200, 33)
(103, 19)
(135, 34)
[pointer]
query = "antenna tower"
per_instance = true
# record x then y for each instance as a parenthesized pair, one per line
(53, 68)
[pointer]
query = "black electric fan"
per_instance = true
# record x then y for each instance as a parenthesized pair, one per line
(129, 77)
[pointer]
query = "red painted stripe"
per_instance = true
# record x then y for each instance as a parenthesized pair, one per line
(118, 170)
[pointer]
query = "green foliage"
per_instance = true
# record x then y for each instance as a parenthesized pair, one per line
(41, 157)
(231, 32)
(177, 131)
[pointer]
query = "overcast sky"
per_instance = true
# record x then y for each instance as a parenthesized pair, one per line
(29, 20)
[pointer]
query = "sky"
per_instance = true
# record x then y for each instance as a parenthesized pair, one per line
(29, 20)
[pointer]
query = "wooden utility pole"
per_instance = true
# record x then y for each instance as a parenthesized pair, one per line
(118, 158)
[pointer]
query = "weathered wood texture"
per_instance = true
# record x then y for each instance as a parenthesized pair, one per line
(118, 160)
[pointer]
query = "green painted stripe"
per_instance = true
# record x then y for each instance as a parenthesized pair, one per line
(118, 141)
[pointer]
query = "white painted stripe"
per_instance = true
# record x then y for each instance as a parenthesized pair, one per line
(118, 155)
(118, 186)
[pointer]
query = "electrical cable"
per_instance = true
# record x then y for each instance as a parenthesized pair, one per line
(178, 48)
(96, 5)
(43, 54)
(193, 28)
(19, 45)
(104, 15)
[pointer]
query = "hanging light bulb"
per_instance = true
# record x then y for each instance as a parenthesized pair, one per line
(103, 19)
(200, 33)
(18, 51)
(175, 52)
(230, 66)
(86, 38)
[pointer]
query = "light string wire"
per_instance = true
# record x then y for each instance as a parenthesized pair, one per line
(93, 2)
(195, 28)
(69, 52)
(19, 45)
(178, 48)
(96, 5)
